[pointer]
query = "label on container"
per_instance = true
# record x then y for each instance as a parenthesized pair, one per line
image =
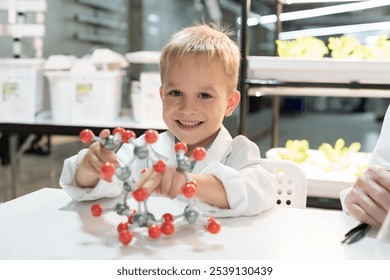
(82, 92)
(9, 90)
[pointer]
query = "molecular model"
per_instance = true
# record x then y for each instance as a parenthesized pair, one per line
(142, 218)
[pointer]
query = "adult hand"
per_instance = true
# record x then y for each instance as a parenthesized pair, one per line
(369, 198)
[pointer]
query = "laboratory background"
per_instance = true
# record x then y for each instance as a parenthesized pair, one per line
(56, 54)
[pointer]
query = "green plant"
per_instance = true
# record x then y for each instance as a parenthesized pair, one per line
(382, 48)
(338, 157)
(360, 169)
(308, 47)
(296, 150)
(343, 47)
(349, 47)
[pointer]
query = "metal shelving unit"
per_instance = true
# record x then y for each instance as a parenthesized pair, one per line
(108, 22)
(259, 86)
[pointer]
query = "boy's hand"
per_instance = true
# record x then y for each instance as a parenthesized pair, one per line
(88, 171)
(169, 183)
(369, 199)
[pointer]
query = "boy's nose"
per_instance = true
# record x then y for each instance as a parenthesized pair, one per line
(187, 107)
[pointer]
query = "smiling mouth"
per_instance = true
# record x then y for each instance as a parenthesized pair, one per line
(188, 124)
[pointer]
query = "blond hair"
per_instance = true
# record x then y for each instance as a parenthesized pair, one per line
(207, 41)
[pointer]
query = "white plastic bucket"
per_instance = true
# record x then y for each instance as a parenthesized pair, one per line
(60, 87)
(85, 98)
(21, 89)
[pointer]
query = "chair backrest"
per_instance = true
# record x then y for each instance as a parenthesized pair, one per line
(290, 182)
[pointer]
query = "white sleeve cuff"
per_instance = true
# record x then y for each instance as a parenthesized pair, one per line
(235, 191)
(343, 195)
(102, 189)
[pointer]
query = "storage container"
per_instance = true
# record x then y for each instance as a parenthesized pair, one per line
(146, 100)
(85, 98)
(21, 83)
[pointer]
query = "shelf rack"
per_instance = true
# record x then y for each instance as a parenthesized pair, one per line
(262, 86)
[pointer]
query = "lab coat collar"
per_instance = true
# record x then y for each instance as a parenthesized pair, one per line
(218, 151)
(164, 149)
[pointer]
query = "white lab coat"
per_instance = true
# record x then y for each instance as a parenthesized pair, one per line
(235, 162)
(380, 155)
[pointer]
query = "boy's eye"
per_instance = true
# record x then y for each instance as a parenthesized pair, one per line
(204, 95)
(175, 93)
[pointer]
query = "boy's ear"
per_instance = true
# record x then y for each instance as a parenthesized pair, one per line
(161, 90)
(232, 103)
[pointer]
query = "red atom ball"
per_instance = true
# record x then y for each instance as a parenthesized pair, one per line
(168, 228)
(180, 146)
(140, 194)
(86, 136)
(130, 218)
(96, 210)
(127, 135)
(144, 170)
(122, 226)
(119, 130)
(168, 217)
(213, 226)
(125, 237)
(107, 170)
(151, 136)
(190, 189)
(154, 231)
(199, 153)
(159, 167)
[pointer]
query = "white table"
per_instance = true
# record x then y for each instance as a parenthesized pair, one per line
(47, 224)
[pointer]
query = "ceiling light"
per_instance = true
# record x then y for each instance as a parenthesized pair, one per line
(342, 29)
(314, 1)
(323, 11)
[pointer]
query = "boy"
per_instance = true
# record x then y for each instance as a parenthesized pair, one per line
(199, 74)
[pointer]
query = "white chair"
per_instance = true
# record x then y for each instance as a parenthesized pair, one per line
(290, 182)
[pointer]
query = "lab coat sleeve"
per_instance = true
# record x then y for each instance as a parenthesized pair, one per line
(380, 156)
(343, 196)
(249, 187)
(102, 189)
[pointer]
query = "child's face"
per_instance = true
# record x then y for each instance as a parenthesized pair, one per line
(196, 98)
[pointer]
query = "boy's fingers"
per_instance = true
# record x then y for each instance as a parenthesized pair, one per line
(87, 166)
(144, 177)
(92, 161)
(104, 133)
(153, 182)
(107, 156)
(167, 180)
(102, 154)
